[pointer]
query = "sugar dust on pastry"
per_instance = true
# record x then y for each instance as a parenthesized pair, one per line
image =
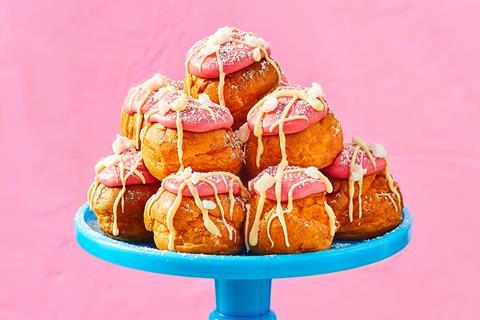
(296, 121)
(234, 68)
(365, 198)
(140, 99)
(121, 187)
(198, 212)
(184, 132)
(288, 213)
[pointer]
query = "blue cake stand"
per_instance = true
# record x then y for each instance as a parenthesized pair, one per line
(243, 282)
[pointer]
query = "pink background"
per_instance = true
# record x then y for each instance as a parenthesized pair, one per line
(401, 72)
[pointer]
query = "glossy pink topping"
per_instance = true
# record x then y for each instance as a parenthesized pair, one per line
(194, 117)
(301, 108)
(204, 189)
(234, 55)
(340, 168)
(136, 96)
(110, 176)
(307, 187)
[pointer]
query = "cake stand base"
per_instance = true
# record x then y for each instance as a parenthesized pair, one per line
(242, 300)
(243, 282)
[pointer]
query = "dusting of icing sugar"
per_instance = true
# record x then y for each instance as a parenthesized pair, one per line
(108, 172)
(227, 51)
(124, 167)
(282, 184)
(235, 47)
(208, 184)
(304, 112)
(357, 160)
(203, 182)
(362, 159)
(292, 175)
(196, 115)
(280, 123)
(141, 98)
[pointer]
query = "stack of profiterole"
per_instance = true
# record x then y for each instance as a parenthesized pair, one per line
(237, 158)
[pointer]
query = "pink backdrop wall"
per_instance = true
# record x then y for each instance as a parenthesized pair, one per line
(401, 72)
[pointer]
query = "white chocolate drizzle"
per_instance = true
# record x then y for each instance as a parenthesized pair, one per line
(155, 83)
(203, 205)
(180, 104)
(213, 45)
(120, 145)
(266, 104)
(278, 211)
(357, 173)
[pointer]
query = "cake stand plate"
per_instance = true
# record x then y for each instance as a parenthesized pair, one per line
(242, 282)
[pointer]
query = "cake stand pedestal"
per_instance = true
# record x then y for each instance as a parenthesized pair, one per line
(242, 282)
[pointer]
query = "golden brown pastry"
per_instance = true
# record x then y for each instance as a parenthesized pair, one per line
(118, 195)
(234, 68)
(293, 120)
(288, 213)
(197, 212)
(139, 100)
(184, 132)
(365, 199)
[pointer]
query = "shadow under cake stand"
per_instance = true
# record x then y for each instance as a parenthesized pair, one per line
(242, 282)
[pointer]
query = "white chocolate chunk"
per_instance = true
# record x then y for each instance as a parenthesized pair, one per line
(255, 41)
(316, 91)
(358, 140)
(358, 172)
(378, 150)
(160, 93)
(180, 103)
(196, 176)
(256, 54)
(221, 36)
(203, 98)
(163, 107)
(183, 175)
(107, 162)
(270, 104)
(264, 183)
(243, 133)
(209, 205)
(155, 82)
(313, 172)
(121, 144)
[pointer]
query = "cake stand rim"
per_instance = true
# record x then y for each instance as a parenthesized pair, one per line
(241, 267)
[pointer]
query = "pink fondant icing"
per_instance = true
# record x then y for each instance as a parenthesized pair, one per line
(222, 183)
(234, 56)
(194, 119)
(138, 95)
(110, 177)
(299, 108)
(340, 167)
(304, 190)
